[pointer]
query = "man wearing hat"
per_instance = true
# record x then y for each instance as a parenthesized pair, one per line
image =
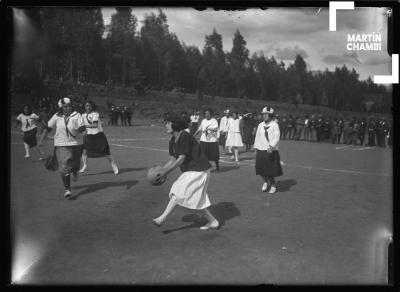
(223, 130)
(371, 129)
(268, 164)
(249, 125)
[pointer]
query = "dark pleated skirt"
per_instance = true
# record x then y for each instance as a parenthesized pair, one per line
(96, 145)
(69, 158)
(268, 164)
(210, 150)
(30, 137)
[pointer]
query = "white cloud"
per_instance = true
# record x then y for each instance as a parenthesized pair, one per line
(278, 31)
(289, 53)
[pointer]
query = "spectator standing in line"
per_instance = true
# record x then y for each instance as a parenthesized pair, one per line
(385, 128)
(283, 127)
(380, 136)
(318, 127)
(299, 127)
(313, 129)
(124, 116)
(290, 127)
(363, 128)
(129, 115)
(307, 128)
(341, 125)
(355, 132)
(371, 129)
(118, 115)
(336, 133)
(346, 131)
(326, 129)
(390, 135)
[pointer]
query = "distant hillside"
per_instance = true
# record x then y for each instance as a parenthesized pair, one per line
(153, 104)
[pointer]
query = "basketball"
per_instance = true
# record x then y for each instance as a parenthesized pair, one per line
(153, 174)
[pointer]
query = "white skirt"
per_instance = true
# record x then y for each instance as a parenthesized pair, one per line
(190, 189)
(234, 140)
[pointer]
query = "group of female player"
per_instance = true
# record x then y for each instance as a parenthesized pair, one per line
(190, 189)
(76, 137)
(81, 136)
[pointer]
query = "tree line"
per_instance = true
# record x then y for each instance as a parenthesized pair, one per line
(84, 49)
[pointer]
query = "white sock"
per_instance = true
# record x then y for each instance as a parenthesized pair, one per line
(27, 149)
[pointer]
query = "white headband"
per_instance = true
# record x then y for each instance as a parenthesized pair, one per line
(268, 110)
(62, 101)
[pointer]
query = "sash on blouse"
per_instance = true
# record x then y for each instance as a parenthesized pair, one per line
(66, 121)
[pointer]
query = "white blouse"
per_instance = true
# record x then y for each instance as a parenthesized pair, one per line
(28, 122)
(233, 125)
(89, 119)
(223, 124)
(261, 142)
(209, 129)
(63, 137)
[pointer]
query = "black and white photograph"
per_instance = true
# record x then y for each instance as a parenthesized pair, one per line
(179, 145)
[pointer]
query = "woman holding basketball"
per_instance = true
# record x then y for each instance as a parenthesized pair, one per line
(95, 143)
(190, 189)
(268, 163)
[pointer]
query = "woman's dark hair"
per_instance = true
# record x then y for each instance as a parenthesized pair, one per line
(208, 110)
(60, 111)
(94, 107)
(29, 108)
(178, 123)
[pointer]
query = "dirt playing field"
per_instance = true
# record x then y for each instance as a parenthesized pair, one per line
(326, 225)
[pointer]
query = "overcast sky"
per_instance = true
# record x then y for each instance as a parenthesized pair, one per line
(284, 32)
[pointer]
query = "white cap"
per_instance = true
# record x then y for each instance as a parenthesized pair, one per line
(267, 110)
(226, 111)
(64, 100)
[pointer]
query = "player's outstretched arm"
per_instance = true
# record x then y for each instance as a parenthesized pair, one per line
(171, 166)
(169, 162)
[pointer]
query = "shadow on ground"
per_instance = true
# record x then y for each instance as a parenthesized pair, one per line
(91, 188)
(121, 170)
(246, 158)
(225, 169)
(222, 211)
(248, 152)
(285, 185)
